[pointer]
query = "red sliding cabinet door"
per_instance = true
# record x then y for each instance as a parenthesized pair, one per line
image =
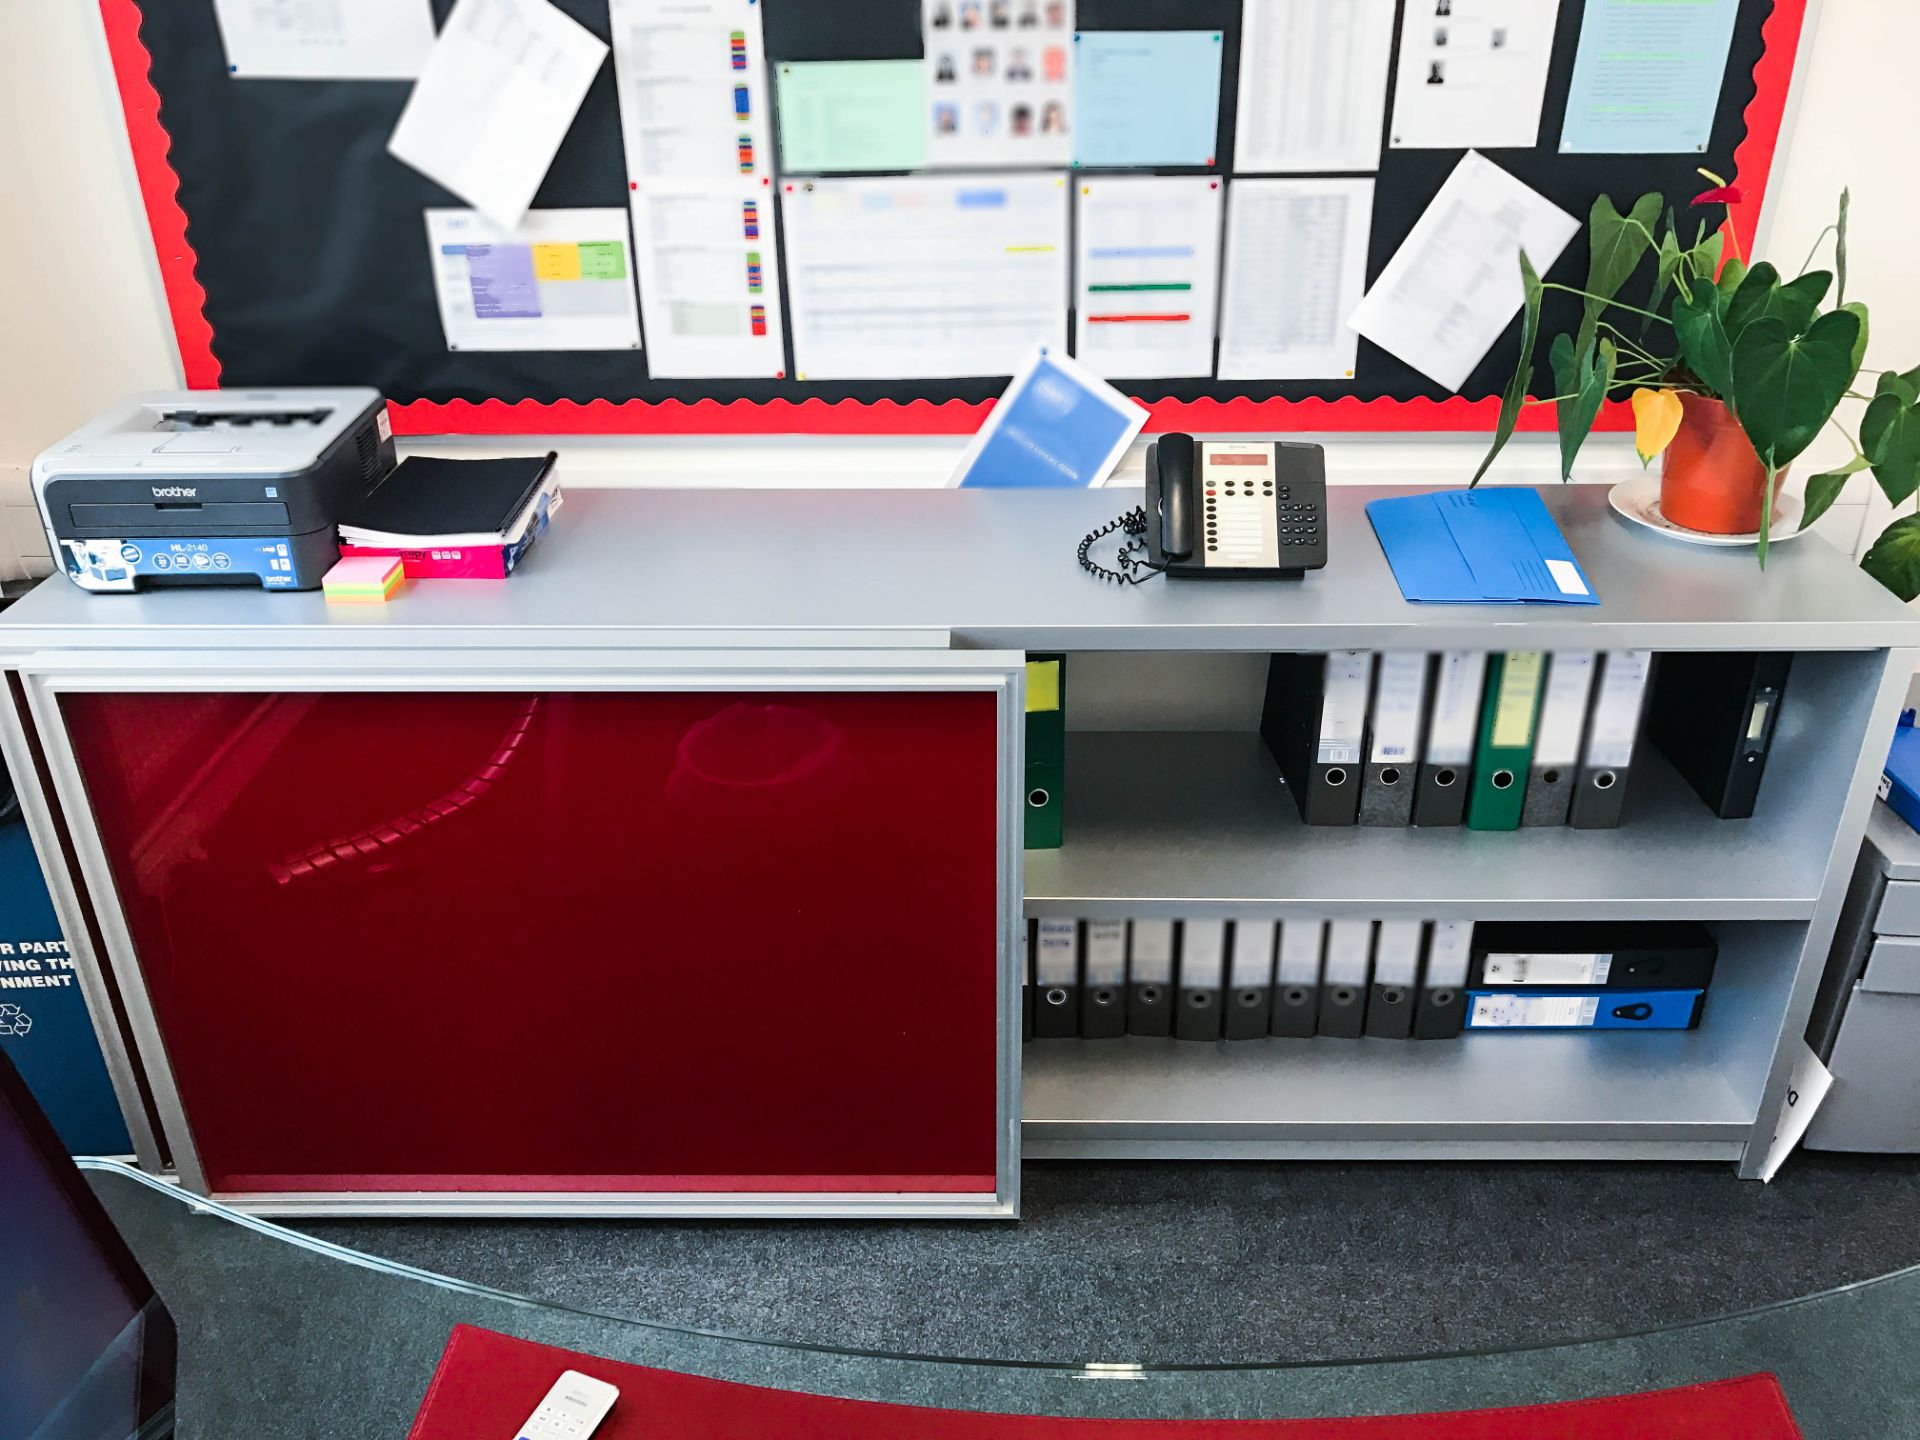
(566, 943)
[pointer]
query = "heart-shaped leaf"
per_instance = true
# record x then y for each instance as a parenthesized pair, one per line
(1785, 386)
(1794, 303)
(1618, 243)
(1894, 559)
(1733, 275)
(1704, 258)
(1516, 392)
(1586, 377)
(1703, 339)
(1890, 437)
(1671, 257)
(1823, 490)
(1907, 387)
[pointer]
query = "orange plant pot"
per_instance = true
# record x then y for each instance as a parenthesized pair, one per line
(1710, 478)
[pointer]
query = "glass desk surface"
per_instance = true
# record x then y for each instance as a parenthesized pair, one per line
(285, 1335)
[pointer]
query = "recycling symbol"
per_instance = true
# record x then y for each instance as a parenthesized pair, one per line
(14, 1020)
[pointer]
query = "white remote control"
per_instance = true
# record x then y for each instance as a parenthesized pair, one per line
(573, 1409)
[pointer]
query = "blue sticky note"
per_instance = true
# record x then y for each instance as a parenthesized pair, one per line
(1056, 426)
(1146, 97)
(1646, 78)
(1496, 546)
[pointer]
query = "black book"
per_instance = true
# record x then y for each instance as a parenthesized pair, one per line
(449, 501)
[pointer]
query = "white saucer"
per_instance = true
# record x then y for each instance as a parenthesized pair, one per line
(1639, 501)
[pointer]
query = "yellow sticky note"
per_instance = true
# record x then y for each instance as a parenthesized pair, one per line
(556, 262)
(1043, 685)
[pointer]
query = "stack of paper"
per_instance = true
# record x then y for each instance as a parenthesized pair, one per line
(455, 519)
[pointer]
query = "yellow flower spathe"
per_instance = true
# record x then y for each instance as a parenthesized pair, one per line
(1656, 420)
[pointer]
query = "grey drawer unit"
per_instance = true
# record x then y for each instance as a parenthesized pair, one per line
(1868, 1010)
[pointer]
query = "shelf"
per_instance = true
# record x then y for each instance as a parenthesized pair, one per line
(1200, 823)
(1477, 1095)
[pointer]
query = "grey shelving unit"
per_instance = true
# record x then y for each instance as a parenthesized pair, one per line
(1176, 820)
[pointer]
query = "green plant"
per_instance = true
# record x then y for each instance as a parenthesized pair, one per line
(1709, 324)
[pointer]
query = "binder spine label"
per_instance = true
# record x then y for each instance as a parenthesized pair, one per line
(1549, 1012)
(1203, 954)
(1456, 707)
(1057, 961)
(1396, 955)
(1106, 952)
(1564, 711)
(1343, 708)
(1300, 942)
(1252, 962)
(1151, 957)
(1528, 968)
(1349, 952)
(1398, 696)
(1449, 954)
(1616, 714)
(1519, 689)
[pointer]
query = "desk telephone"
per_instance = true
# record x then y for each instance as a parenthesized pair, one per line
(1223, 509)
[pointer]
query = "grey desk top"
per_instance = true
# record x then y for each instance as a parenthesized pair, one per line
(991, 569)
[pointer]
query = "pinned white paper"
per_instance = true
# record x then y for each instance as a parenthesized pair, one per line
(1454, 283)
(324, 39)
(1313, 85)
(494, 101)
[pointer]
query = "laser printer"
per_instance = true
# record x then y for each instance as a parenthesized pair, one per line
(212, 487)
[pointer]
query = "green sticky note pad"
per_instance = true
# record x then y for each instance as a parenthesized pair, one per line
(603, 260)
(838, 115)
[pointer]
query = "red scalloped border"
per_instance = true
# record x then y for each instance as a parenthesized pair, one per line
(186, 302)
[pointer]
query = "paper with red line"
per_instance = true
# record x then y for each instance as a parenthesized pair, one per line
(1147, 275)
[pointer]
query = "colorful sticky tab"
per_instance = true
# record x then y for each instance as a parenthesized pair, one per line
(556, 262)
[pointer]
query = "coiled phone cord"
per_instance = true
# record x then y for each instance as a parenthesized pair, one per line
(1132, 557)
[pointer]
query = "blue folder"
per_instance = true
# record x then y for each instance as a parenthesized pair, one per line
(1479, 547)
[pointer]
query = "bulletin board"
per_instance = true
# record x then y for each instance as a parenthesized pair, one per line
(291, 247)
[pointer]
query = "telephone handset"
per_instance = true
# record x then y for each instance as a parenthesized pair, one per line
(1220, 509)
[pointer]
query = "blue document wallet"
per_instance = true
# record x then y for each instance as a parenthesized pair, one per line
(1533, 1009)
(1477, 547)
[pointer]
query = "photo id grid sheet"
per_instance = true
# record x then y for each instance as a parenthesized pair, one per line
(691, 79)
(1147, 275)
(999, 82)
(325, 39)
(1313, 85)
(1472, 73)
(1454, 283)
(560, 280)
(1296, 267)
(494, 100)
(924, 277)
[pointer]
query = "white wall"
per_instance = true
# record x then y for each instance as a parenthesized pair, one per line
(83, 324)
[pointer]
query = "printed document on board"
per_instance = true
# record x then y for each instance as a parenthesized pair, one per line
(1313, 85)
(925, 277)
(1472, 73)
(709, 279)
(1296, 267)
(496, 98)
(325, 39)
(691, 80)
(560, 280)
(1147, 269)
(1454, 283)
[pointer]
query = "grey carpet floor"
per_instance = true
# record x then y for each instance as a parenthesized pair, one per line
(1225, 1264)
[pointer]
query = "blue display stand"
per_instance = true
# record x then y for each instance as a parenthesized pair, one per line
(44, 1027)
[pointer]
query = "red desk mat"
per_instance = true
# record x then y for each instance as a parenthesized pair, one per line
(487, 1382)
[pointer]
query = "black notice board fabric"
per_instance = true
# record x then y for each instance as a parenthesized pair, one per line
(312, 248)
